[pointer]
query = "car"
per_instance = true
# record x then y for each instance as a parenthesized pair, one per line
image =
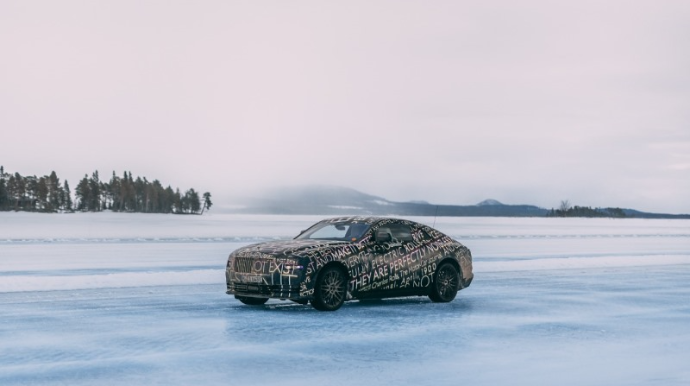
(347, 258)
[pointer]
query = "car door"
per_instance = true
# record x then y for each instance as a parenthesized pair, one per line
(387, 266)
(406, 270)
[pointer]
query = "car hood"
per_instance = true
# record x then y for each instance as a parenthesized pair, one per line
(287, 248)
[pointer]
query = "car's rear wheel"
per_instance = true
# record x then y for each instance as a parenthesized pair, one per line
(330, 289)
(445, 285)
(251, 301)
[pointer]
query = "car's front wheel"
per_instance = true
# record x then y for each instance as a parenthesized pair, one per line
(251, 301)
(330, 289)
(445, 285)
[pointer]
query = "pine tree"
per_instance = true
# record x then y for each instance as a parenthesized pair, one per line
(124, 193)
(30, 199)
(67, 200)
(193, 202)
(114, 189)
(19, 188)
(131, 201)
(94, 202)
(4, 198)
(169, 200)
(41, 197)
(178, 206)
(158, 193)
(83, 194)
(53, 192)
(139, 195)
(207, 202)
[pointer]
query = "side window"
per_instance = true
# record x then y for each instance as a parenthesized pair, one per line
(431, 233)
(400, 232)
(331, 231)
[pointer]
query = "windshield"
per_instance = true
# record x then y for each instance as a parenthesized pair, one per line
(343, 231)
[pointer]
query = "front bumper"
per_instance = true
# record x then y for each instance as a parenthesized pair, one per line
(275, 285)
(264, 291)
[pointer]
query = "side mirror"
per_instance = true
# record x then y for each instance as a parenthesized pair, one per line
(384, 235)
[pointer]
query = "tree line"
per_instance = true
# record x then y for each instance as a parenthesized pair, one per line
(119, 194)
(566, 210)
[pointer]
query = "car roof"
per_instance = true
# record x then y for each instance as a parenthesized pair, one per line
(363, 219)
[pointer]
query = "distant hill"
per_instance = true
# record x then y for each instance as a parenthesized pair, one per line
(335, 200)
(637, 214)
(490, 201)
(314, 199)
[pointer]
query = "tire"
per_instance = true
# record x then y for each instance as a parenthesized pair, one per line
(445, 285)
(330, 289)
(251, 301)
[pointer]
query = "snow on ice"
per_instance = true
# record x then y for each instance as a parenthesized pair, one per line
(108, 298)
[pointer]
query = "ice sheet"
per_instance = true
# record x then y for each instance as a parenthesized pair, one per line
(124, 299)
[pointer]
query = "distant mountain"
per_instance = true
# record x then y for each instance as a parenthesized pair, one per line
(490, 201)
(334, 200)
(313, 199)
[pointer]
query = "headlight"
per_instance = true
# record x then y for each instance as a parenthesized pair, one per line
(291, 263)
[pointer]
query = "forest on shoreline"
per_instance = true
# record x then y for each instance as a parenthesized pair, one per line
(119, 194)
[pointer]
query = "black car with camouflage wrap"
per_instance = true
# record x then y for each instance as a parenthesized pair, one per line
(347, 258)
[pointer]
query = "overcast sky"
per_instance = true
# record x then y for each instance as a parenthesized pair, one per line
(451, 102)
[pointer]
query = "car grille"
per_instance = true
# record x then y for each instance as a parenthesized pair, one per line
(252, 265)
(243, 264)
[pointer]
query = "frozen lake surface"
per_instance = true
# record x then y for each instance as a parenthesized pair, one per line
(124, 299)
